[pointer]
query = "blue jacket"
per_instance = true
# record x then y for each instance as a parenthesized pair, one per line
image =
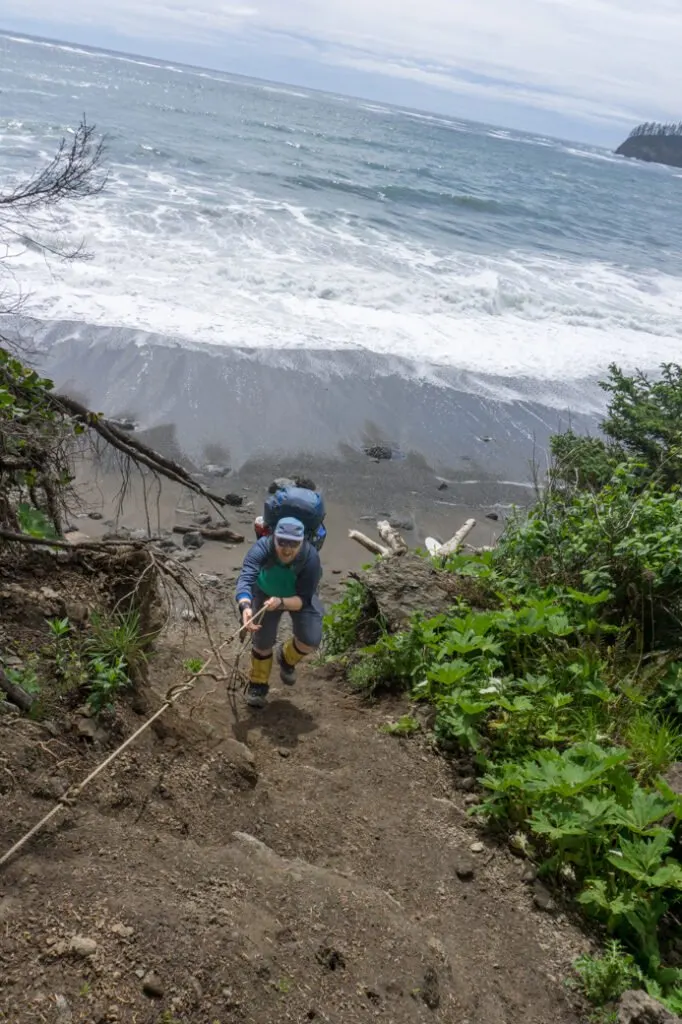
(306, 567)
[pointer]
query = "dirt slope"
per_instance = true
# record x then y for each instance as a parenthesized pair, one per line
(288, 865)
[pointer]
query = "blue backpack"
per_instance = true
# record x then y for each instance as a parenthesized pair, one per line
(301, 503)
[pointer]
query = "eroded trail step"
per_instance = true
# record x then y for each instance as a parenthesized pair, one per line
(299, 865)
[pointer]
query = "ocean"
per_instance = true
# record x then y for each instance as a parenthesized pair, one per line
(250, 232)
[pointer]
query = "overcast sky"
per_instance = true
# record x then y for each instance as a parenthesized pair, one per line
(587, 69)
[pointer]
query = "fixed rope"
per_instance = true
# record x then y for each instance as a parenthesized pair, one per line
(172, 695)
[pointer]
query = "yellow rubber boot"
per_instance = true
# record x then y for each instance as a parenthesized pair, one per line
(289, 658)
(259, 678)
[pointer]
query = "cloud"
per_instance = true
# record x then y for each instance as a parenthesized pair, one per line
(601, 60)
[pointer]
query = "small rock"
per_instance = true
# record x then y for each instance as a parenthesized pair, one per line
(8, 709)
(543, 898)
(430, 989)
(636, 1007)
(472, 800)
(189, 616)
(236, 500)
(82, 946)
(51, 728)
(330, 958)
(64, 1012)
(208, 580)
(77, 612)
(184, 556)
(492, 515)
(337, 572)
(442, 486)
(128, 425)
(401, 524)
(50, 789)
(477, 847)
(280, 484)
(467, 784)
(167, 544)
(213, 470)
(140, 973)
(283, 752)
(90, 730)
(95, 515)
(464, 871)
(529, 874)
(152, 986)
(379, 452)
(192, 540)
(123, 930)
(203, 518)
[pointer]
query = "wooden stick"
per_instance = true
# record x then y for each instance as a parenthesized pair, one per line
(396, 543)
(454, 544)
(367, 542)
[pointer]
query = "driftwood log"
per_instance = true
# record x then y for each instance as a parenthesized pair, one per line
(388, 533)
(212, 533)
(453, 545)
(395, 543)
(371, 545)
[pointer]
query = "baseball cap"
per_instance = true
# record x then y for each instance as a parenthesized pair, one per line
(290, 529)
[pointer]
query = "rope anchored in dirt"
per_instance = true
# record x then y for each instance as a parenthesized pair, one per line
(172, 696)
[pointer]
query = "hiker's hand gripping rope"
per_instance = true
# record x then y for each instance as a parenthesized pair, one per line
(172, 695)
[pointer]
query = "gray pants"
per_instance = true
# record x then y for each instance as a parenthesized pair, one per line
(307, 624)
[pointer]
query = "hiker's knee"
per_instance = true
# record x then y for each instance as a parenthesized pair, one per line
(308, 631)
(262, 653)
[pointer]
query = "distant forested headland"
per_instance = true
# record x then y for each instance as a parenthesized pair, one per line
(655, 142)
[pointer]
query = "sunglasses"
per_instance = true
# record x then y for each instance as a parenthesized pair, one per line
(284, 542)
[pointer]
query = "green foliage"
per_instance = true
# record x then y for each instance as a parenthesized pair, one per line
(626, 541)
(394, 662)
(585, 462)
(193, 665)
(34, 522)
(406, 725)
(118, 639)
(105, 682)
(645, 418)
(604, 979)
(342, 623)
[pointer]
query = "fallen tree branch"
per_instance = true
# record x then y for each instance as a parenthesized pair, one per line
(16, 694)
(65, 545)
(131, 446)
(371, 545)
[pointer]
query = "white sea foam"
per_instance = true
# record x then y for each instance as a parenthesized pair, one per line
(266, 274)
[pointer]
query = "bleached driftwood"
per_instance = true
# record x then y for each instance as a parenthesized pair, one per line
(371, 545)
(393, 539)
(454, 544)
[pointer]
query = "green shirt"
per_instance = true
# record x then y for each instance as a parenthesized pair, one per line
(277, 580)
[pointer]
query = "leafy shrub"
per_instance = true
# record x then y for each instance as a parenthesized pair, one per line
(625, 541)
(604, 979)
(344, 620)
(406, 725)
(105, 683)
(118, 639)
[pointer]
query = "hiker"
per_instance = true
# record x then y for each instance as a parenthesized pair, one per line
(280, 573)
